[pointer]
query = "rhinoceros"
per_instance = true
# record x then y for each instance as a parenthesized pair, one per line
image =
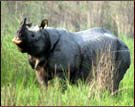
(56, 52)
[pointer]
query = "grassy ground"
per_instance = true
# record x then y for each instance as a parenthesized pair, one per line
(19, 85)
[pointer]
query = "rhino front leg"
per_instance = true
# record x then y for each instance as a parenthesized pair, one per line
(42, 76)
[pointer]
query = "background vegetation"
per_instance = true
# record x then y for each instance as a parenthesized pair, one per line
(18, 81)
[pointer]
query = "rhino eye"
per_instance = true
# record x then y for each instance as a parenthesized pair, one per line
(32, 35)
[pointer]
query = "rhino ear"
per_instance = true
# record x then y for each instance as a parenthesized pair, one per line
(44, 23)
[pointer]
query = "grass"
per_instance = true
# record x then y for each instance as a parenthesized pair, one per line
(19, 85)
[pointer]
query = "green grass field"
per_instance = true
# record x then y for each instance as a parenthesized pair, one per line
(19, 85)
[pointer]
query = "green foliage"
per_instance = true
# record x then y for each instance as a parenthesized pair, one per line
(18, 81)
(117, 16)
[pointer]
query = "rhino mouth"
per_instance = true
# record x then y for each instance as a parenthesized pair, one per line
(19, 43)
(17, 40)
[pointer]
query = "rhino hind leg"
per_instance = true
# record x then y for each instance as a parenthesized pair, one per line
(122, 64)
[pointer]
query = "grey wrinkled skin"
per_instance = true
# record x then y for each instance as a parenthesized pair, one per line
(98, 39)
(79, 50)
(85, 44)
(61, 53)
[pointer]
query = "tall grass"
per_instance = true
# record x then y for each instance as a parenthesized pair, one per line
(19, 84)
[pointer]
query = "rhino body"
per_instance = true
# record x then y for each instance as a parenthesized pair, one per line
(58, 52)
